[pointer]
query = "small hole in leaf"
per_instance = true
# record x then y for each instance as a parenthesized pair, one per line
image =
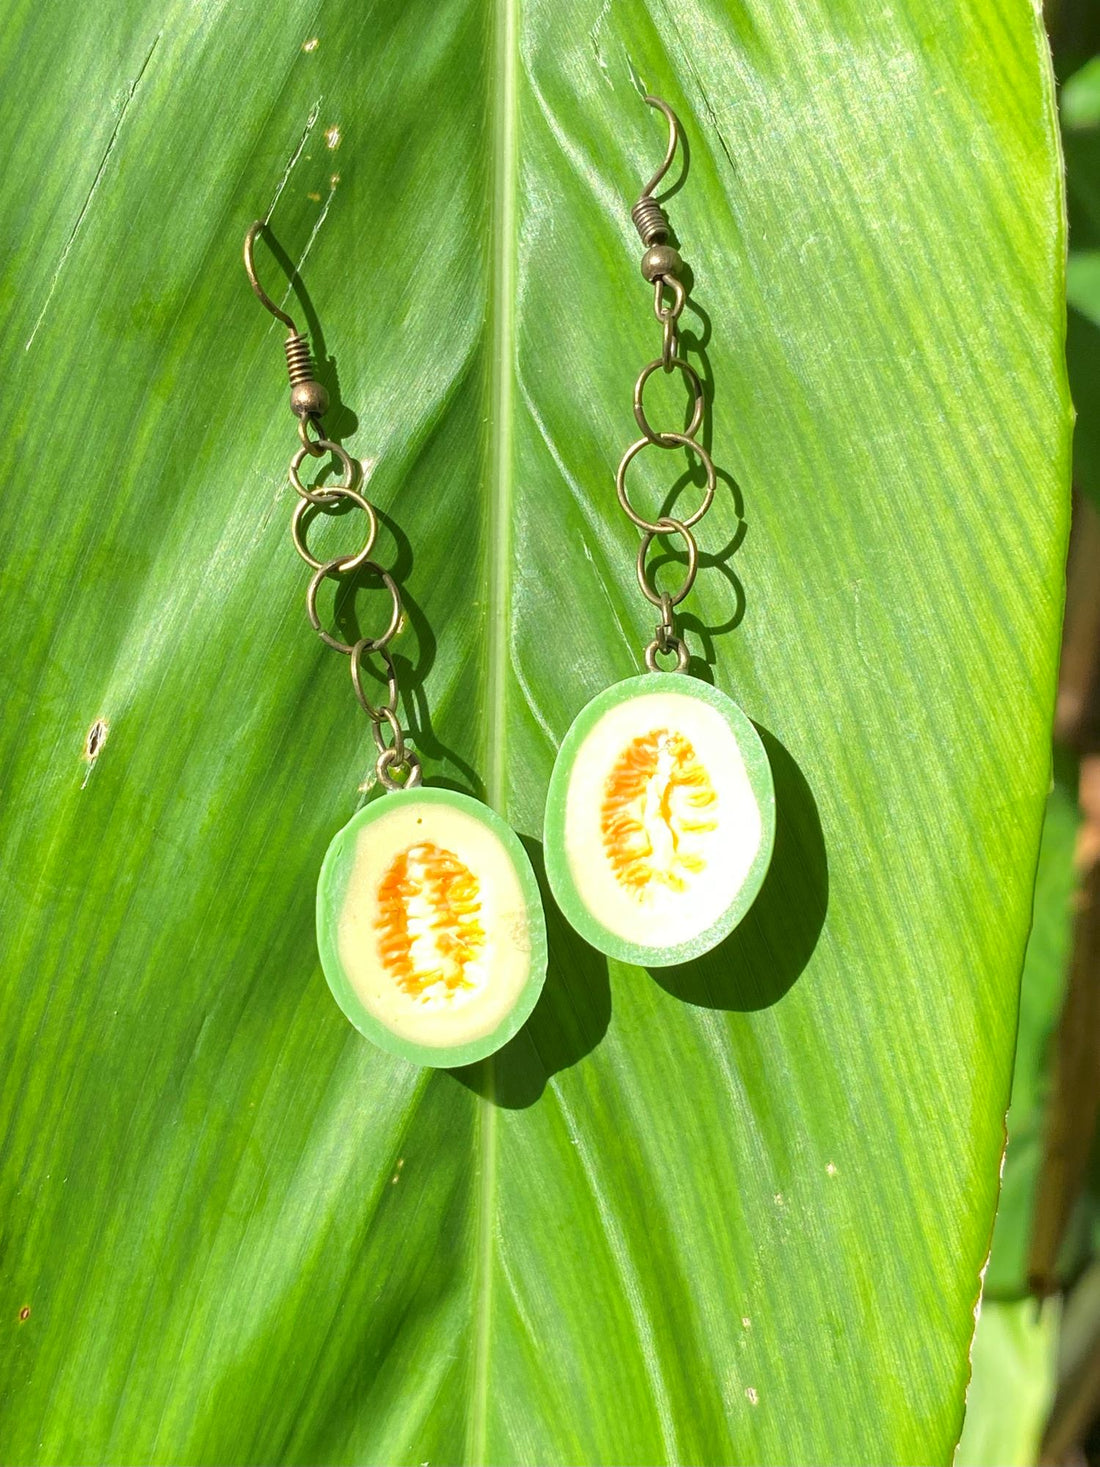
(97, 737)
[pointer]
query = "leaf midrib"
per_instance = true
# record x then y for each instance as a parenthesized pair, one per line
(502, 250)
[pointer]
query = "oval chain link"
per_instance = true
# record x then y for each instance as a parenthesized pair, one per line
(668, 316)
(666, 600)
(666, 641)
(376, 714)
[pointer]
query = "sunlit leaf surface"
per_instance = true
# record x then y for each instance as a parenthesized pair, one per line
(729, 1213)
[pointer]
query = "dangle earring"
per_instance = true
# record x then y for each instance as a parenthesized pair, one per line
(660, 817)
(429, 919)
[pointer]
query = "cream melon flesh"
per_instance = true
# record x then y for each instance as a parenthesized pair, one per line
(430, 926)
(660, 819)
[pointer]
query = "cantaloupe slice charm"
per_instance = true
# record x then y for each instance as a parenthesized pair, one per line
(430, 926)
(660, 819)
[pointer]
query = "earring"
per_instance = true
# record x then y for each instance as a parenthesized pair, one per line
(660, 816)
(429, 919)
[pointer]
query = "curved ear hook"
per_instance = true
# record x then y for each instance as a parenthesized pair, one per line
(250, 271)
(670, 151)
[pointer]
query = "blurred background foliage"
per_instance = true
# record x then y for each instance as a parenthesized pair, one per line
(1035, 1390)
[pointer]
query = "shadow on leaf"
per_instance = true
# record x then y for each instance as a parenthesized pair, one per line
(764, 955)
(569, 1020)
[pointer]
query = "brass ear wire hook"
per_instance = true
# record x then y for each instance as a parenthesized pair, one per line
(661, 263)
(308, 399)
(673, 139)
(250, 269)
(648, 216)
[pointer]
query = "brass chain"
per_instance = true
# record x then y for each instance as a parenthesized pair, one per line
(397, 765)
(661, 267)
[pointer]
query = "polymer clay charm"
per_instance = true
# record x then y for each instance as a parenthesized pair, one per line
(660, 819)
(430, 926)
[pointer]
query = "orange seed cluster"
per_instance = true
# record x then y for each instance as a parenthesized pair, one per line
(452, 896)
(631, 793)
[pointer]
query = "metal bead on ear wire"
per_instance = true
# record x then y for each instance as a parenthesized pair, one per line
(660, 817)
(661, 259)
(429, 920)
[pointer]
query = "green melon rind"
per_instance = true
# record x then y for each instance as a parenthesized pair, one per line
(332, 885)
(558, 872)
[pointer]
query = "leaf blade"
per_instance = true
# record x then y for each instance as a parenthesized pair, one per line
(228, 1232)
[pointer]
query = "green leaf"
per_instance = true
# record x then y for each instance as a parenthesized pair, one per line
(734, 1212)
(1082, 153)
(1083, 286)
(1079, 103)
(1015, 1356)
(1042, 990)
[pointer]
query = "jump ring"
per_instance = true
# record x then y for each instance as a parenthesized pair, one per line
(348, 562)
(318, 496)
(675, 644)
(679, 296)
(372, 644)
(390, 706)
(668, 440)
(697, 407)
(650, 592)
(311, 445)
(387, 760)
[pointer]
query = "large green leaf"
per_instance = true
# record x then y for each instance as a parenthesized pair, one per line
(1042, 990)
(731, 1213)
(1080, 99)
(1014, 1367)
